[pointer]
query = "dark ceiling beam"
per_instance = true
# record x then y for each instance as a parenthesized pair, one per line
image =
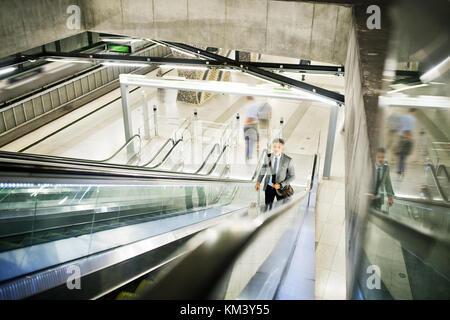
(261, 73)
(96, 57)
(337, 70)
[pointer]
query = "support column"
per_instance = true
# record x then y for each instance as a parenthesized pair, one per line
(127, 124)
(332, 123)
(145, 115)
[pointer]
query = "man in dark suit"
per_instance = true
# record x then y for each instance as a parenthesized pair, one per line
(381, 182)
(278, 171)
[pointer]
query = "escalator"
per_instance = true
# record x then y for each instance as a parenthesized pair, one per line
(437, 186)
(105, 219)
(409, 242)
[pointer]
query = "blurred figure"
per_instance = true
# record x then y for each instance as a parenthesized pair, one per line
(407, 122)
(403, 151)
(278, 171)
(382, 181)
(189, 190)
(264, 116)
(394, 126)
(251, 127)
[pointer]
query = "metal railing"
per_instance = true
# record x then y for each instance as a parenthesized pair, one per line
(56, 97)
(136, 136)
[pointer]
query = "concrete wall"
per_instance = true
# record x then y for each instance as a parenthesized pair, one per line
(358, 158)
(25, 24)
(363, 82)
(294, 29)
(285, 28)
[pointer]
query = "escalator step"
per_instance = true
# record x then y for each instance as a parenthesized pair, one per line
(125, 295)
(142, 285)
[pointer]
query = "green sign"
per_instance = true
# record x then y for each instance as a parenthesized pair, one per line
(119, 48)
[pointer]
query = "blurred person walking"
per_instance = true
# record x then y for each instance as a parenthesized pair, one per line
(381, 181)
(251, 127)
(404, 148)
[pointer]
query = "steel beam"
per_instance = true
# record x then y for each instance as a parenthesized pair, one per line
(95, 57)
(277, 78)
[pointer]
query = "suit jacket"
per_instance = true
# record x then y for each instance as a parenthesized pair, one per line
(384, 183)
(285, 174)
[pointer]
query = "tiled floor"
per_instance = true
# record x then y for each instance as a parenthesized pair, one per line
(330, 230)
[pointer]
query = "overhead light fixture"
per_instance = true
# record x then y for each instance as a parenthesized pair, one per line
(120, 40)
(316, 97)
(437, 71)
(124, 64)
(7, 70)
(169, 66)
(408, 87)
(259, 78)
(68, 60)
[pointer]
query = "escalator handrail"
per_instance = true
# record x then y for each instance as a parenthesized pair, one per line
(13, 162)
(28, 157)
(166, 156)
(259, 164)
(422, 201)
(217, 161)
(159, 151)
(124, 146)
(174, 143)
(442, 168)
(436, 181)
(207, 158)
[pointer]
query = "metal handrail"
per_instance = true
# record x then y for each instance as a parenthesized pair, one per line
(217, 161)
(436, 181)
(124, 146)
(159, 151)
(259, 164)
(166, 156)
(207, 158)
(442, 168)
(13, 162)
(174, 144)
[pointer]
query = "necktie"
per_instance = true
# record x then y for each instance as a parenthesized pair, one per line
(274, 175)
(378, 180)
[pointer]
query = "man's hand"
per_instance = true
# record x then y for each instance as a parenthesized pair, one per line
(257, 186)
(390, 201)
(372, 196)
(277, 186)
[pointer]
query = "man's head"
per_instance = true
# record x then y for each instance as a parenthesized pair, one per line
(380, 156)
(412, 110)
(277, 146)
(250, 99)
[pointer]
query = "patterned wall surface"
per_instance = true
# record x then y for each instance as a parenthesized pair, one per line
(195, 97)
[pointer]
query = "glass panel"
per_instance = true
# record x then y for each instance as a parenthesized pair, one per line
(46, 224)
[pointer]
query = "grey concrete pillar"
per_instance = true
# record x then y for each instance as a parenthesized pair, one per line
(332, 123)
(127, 124)
(145, 115)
